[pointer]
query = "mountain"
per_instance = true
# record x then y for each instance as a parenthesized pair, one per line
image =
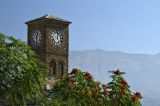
(142, 70)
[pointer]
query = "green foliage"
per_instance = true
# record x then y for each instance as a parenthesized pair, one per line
(120, 94)
(21, 73)
(22, 77)
(80, 89)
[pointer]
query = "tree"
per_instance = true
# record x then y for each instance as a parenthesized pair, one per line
(21, 72)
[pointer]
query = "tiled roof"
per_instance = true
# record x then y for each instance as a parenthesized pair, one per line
(48, 16)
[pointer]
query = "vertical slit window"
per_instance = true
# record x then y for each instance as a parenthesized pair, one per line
(61, 68)
(52, 71)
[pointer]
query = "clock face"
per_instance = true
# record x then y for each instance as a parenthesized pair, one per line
(57, 37)
(36, 38)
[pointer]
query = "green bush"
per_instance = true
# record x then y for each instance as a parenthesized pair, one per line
(21, 72)
(80, 89)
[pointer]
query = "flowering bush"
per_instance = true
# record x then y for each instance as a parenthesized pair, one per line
(80, 89)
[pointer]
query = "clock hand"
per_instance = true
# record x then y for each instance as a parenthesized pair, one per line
(57, 37)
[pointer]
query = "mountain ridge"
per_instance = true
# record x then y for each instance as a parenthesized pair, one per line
(92, 50)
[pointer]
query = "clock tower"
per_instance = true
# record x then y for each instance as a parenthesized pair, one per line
(48, 36)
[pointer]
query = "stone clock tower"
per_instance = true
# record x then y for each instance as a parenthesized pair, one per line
(48, 36)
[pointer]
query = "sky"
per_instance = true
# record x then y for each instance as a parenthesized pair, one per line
(131, 26)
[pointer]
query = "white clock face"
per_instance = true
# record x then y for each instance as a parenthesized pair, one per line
(57, 37)
(36, 38)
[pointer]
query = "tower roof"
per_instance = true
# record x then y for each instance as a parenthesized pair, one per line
(48, 16)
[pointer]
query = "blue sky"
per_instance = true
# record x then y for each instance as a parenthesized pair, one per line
(121, 25)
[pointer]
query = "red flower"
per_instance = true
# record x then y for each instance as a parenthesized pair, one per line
(105, 92)
(124, 82)
(88, 76)
(117, 72)
(88, 92)
(138, 94)
(69, 78)
(123, 90)
(135, 98)
(74, 71)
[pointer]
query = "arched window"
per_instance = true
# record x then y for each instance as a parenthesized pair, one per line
(52, 71)
(61, 68)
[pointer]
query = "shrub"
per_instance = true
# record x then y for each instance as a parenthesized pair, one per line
(21, 72)
(80, 89)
